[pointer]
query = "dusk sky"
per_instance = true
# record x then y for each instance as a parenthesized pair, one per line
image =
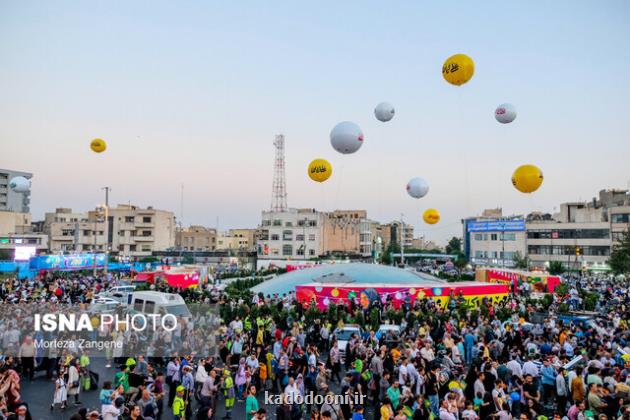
(193, 93)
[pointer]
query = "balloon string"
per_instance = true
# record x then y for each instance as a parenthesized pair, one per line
(461, 134)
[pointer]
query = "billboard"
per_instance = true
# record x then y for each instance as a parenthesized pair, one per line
(68, 262)
(497, 226)
(24, 253)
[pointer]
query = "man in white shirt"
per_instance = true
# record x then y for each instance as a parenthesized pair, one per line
(530, 368)
(515, 368)
(291, 391)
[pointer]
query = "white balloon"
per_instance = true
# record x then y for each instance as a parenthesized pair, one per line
(384, 111)
(20, 184)
(505, 113)
(417, 187)
(346, 137)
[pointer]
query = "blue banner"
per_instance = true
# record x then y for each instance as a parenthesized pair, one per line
(68, 262)
(497, 226)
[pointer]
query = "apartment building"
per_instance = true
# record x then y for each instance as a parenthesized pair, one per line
(125, 230)
(9, 199)
(196, 238)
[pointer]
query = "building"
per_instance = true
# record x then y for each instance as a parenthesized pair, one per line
(581, 234)
(9, 199)
(237, 239)
(424, 244)
(294, 234)
(196, 238)
(342, 232)
(16, 233)
(391, 232)
(131, 231)
(493, 239)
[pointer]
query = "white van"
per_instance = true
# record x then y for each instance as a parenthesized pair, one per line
(150, 302)
(119, 293)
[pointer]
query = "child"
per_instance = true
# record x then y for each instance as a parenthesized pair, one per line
(478, 401)
(469, 413)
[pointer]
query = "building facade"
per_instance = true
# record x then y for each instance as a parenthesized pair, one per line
(295, 234)
(342, 232)
(16, 232)
(196, 238)
(125, 230)
(392, 232)
(237, 239)
(493, 239)
(581, 235)
(9, 199)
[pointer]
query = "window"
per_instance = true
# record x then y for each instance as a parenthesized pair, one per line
(137, 304)
(87, 232)
(146, 233)
(493, 237)
(478, 237)
(287, 250)
(67, 232)
(289, 224)
(299, 237)
(266, 222)
(275, 237)
(277, 222)
(300, 251)
(146, 248)
(311, 237)
(132, 248)
(149, 307)
(311, 252)
(146, 219)
(620, 218)
(129, 219)
(287, 235)
(508, 236)
(312, 223)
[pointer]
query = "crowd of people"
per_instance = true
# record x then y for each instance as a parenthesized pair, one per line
(494, 361)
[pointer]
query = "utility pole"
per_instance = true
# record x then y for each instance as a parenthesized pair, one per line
(402, 240)
(107, 190)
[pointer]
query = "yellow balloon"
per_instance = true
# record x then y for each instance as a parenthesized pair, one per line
(458, 69)
(319, 170)
(334, 293)
(527, 178)
(98, 145)
(431, 216)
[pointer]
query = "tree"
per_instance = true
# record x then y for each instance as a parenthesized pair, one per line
(556, 267)
(620, 257)
(454, 246)
(392, 248)
(520, 261)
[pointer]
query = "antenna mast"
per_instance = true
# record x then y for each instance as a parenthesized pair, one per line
(279, 189)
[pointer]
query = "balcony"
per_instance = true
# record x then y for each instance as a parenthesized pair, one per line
(62, 238)
(140, 224)
(143, 238)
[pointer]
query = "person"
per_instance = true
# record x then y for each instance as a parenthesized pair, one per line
(61, 392)
(386, 411)
(179, 405)
(148, 407)
(595, 402)
(251, 404)
(26, 354)
(135, 413)
(229, 393)
(74, 384)
(358, 413)
(113, 411)
(21, 413)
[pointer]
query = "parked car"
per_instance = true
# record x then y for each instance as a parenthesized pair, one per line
(343, 337)
(390, 334)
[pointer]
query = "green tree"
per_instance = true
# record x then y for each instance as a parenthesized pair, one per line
(392, 248)
(556, 267)
(454, 246)
(520, 261)
(620, 257)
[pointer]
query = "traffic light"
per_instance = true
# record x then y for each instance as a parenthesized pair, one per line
(578, 251)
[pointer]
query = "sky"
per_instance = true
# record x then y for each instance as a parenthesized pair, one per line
(192, 93)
